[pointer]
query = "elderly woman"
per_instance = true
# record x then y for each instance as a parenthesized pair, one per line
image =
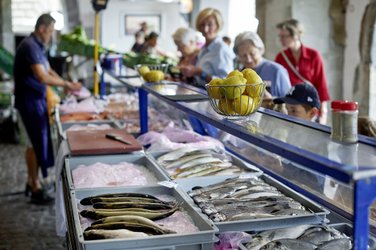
(249, 49)
(185, 41)
(215, 58)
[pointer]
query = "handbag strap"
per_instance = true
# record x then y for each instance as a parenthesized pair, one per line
(293, 68)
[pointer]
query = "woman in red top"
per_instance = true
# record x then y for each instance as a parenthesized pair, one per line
(302, 63)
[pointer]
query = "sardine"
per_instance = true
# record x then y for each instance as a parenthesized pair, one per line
(178, 153)
(185, 159)
(112, 234)
(317, 237)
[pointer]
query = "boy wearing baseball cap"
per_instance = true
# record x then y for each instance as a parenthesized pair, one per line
(302, 101)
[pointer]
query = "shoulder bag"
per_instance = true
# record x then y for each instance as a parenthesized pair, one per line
(294, 69)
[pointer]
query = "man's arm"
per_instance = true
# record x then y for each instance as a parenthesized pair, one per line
(52, 78)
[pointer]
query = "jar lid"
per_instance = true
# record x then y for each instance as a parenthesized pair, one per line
(336, 104)
(349, 106)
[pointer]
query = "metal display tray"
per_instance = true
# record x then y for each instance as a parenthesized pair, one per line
(342, 227)
(203, 239)
(62, 127)
(236, 161)
(139, 158)
(318, 215)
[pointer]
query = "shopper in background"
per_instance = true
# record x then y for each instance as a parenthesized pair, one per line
(185, 40)
(139, 42)
(227, 40)
(302, 63)
(32, 73)
(366, 126)
(302, 101)
(150, 45)
(249, 49)
(215, 58)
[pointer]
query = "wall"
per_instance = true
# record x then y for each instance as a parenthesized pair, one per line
(6, 35)
(351, 54)
(26, 12)
(113, 23)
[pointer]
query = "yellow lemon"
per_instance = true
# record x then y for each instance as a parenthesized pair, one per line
(245, 105)
(214, 91)
(143, 70)
(252, 78)
(229, 90)
(225, 106)
(154, 76)
(235, 73)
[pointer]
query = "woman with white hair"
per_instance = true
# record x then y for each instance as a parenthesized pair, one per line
(249, 49)
(185, 41)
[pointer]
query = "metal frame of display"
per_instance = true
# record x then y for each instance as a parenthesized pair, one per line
(364, 180)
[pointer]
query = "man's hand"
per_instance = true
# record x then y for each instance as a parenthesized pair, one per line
(73, 85)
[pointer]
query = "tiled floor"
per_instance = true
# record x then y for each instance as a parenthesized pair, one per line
(22, 225)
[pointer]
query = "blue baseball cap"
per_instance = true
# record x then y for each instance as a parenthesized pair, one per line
(302, 93)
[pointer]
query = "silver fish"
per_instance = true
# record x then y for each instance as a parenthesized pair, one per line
(262, 238)
(337, 244)
(185, 159)
(200, 161)
(289, 244)
(178, 153)
(291, 212)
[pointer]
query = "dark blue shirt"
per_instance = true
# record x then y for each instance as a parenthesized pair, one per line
(27, 86)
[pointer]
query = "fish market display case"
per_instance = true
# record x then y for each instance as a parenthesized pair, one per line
(203, 238)
(278, 142)
(152, 172)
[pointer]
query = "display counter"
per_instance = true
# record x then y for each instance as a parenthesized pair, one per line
(301, 144)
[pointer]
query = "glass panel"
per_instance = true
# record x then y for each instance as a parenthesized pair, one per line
(297, 135)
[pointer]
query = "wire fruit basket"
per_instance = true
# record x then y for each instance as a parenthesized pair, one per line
(236, 100)
(152, 72)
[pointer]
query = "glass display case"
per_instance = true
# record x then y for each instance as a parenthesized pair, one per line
(301, 154)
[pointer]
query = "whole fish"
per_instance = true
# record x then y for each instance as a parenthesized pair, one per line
(317, 237)
(135, 227)
(87, 200)
(291, 212)
(125, 199)
(93, 214)
(337, 244)
(185, 159)
(206, 171)
(289, 244)
(112, 234)
(117, 205)
(191, 171)
(229, 182)
(178, 153)
(262, 238)
(258, 194)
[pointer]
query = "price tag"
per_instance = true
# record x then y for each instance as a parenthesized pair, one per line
(169, 184)
(247, 176)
